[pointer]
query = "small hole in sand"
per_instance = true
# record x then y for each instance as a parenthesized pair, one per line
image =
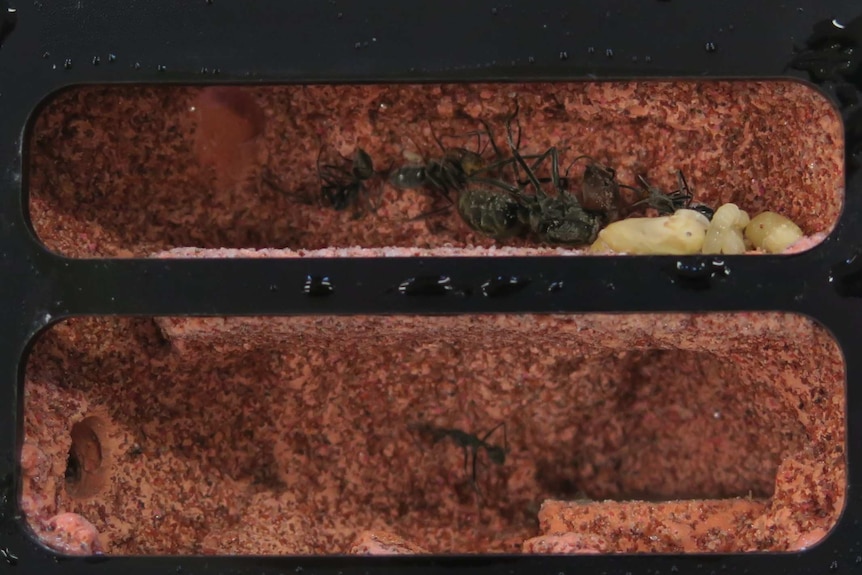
(85, 474)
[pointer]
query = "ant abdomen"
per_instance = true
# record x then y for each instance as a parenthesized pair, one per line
(493, 213)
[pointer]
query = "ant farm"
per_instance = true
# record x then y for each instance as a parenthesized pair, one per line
(409, 433)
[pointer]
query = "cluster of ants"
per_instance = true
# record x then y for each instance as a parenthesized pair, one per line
(506, 196)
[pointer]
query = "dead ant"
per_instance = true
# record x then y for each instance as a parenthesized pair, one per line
(667, 203)
(558, 219)
(344, 185)
(448, 174)
(489, 205)
(600, 190)
(471, 444)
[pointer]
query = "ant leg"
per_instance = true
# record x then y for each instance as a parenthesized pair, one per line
(474, 479)
(491, 141)
(323, 183)
(516, 146)
(427, 214)
(492, 430)
(555, 168)
(434, 212)
(478, 134)
(436, 138)
(530, 173)
(497, 184)
(684, 189)
(578, 159)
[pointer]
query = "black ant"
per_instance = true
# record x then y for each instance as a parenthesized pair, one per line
(488, 205)
(343, 185)
(457, 167)
(558, 219)
(668, 203)
(471, 444)
(599, 192)
(448, 174)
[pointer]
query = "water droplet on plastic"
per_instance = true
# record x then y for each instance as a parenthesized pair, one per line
(847, 276)
(358, 45)
(209, 2)
(591, 50)
(634, 58)
(564, 55)
(161, 67)
(112, 57)
(340, 15)
(647, 59)
(554, 287)
(8, 20)
(697, 274)
(318, 286)
(503, 286)
(710, 47)
(67, 64)
(96, 61)
(9, 556)
(46, 55)
(427, 286)
(833, 566)
(136, 65)
(205, 70)
(494, 11)
(609, 53)
(531, 60)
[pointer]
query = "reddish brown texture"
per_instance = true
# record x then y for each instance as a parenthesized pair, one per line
(382, 543)
(297, 435)
(121, 171)
(71, 534)
(229, 124)
(637, 526)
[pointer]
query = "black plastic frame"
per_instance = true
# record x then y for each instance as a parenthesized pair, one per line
(46, 46)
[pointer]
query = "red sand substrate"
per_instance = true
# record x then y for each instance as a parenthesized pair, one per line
(297, 435)
(127, 171)
(625, 433)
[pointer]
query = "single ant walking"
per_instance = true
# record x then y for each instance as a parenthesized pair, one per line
(470, 443)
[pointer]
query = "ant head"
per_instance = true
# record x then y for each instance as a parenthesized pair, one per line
(408, 177)
(335, 197)
(705, 210)
(363, 166)
(599, 174)
(683, 185)
(497, 455)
